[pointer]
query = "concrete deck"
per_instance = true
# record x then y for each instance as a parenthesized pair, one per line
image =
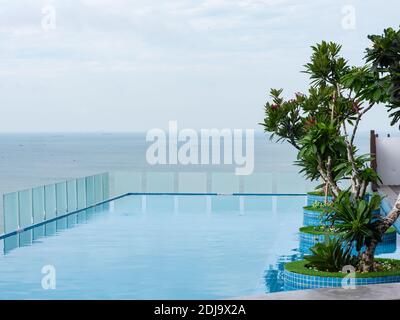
(369, 292)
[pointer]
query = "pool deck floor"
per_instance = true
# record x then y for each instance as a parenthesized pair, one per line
(369, 292)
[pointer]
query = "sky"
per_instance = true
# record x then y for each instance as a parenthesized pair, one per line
(118, 65)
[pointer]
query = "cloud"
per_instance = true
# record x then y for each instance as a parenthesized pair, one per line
(199, 56)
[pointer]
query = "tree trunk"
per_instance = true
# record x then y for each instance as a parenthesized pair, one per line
(391, 218)
(367, 258)
(326, 193)
(326, 175)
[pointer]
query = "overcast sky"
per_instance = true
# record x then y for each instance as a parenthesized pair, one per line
(118, 65)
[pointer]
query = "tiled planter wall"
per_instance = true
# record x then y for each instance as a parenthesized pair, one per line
(311, 199)
(308, 240)
(296, 281)
(312, 218)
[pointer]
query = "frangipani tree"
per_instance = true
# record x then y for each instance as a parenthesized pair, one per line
(384, 56)
(323, 124)
(317, 123)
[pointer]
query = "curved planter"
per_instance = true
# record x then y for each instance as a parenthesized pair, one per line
(313, 218)
(297, 281)
(308, 240)
(312, 198)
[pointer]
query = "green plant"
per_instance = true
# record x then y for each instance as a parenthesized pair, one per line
(330, 256)
(322, 126)
(317, 205)
(354, 219)
(385, 268)
(385, 58)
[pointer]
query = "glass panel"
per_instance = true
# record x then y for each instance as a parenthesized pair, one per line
(98, 188)
(81, 192)
(90, 191)
(106, 186)
(38, 204)
(11, 212)
(72, 204)
(291, 182)
(126, 182)
(61, 198)
(192, 182)
(160, 182)
(259, 183)
(25, 208)
(225, 183)
(50, 201)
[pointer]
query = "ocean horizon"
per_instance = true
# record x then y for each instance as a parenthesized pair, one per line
(34, 159)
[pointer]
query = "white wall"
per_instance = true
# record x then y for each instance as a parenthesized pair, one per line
(388, 159)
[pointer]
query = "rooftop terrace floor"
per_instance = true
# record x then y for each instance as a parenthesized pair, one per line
(369, 292)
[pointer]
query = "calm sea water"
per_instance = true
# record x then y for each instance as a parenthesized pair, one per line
(28, 160)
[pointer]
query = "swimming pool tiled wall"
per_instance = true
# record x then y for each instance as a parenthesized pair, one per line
(296, 281)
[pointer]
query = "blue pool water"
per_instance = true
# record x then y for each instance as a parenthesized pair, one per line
(157, 247)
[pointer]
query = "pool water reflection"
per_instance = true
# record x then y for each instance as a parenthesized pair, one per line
(158, 247)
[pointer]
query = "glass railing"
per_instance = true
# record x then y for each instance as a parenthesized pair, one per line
(29, 207)
(24, 208)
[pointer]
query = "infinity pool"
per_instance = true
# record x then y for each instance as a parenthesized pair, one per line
(157, 247)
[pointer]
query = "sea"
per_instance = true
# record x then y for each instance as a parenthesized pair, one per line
(33, 159)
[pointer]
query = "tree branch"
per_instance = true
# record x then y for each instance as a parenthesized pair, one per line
(360, 114)
(327, 176)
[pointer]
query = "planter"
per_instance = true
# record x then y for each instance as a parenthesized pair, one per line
(316, 196)
(309, 238)
(297, 277)
(313, 217)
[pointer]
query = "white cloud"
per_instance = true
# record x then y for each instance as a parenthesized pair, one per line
(241, 47)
